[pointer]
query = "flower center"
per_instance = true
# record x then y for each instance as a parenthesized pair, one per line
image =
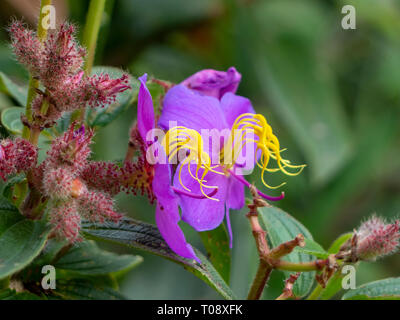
(248, 130)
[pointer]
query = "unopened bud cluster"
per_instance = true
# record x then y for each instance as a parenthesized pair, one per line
(57, 63)
(16, 156)
(73, 187)
(374, 239)
(60, 178)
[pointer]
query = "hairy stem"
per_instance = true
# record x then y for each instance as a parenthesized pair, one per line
(259, 234)
(33, 83)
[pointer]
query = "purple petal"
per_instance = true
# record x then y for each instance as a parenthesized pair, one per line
(202, 214)
(233, 106)
(191, 110)
(145, 113)
(235, 199)
(228, 225)
(167, 214)
(214, 83)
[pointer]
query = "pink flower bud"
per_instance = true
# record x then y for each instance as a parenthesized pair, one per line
(27, 47)
(103, 176)
(96, 206)
(63, 57)
(16, 156)
(214, 83)
(66, 221)
(375, 238)
(71, 149)
(57, 183)
(104, 89)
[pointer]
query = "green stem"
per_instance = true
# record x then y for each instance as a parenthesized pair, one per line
(90, 36)
(91, 31)
(299, 267)
(33, 83)
(316, 293)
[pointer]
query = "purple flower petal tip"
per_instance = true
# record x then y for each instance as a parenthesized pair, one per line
(145, 113)
(214, 83)
(143, 79)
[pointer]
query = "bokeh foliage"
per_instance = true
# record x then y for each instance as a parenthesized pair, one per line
(332, 96)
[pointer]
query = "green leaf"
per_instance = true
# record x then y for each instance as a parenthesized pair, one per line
(84, 289)
(13, 295)
(88, 259)
(147, 237)
(216, 243)
(282, 227)
(335, 246)
(21, 240)
(100, 117)
(387, 289)
(9, 87)
(313, 248)
(11, 119)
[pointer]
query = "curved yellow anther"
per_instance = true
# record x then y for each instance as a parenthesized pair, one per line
(181, 138)
(254, 128)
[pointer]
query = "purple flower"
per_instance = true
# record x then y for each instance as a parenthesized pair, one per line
(196, 111)
(206, 101)
(205, 188)
(214, 83)
(167, 209)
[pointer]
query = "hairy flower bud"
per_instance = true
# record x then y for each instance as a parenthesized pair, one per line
(96, 206)
(57, 183)
(27, 47)
(71, 149)
(16, 156)
(66, 221)
(104, 90)
(63, 57)
(375, 238)
(103, 176)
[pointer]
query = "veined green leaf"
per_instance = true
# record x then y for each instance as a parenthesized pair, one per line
(21, 240)
(387, 289)
(312, 248)
(216, 243)
(84, 289)
(147, 237)
(15, 91)
(87, 258)
(282, 227)
(13, 295)
(11, 119)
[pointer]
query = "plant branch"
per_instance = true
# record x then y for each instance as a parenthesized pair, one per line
(271, 259)
(288, 289)
(260, 280)
(34, 83)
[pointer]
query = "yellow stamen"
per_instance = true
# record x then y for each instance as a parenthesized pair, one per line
(189, 140)
(267, 143)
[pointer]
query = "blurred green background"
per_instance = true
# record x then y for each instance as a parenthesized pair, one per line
(331, 95)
